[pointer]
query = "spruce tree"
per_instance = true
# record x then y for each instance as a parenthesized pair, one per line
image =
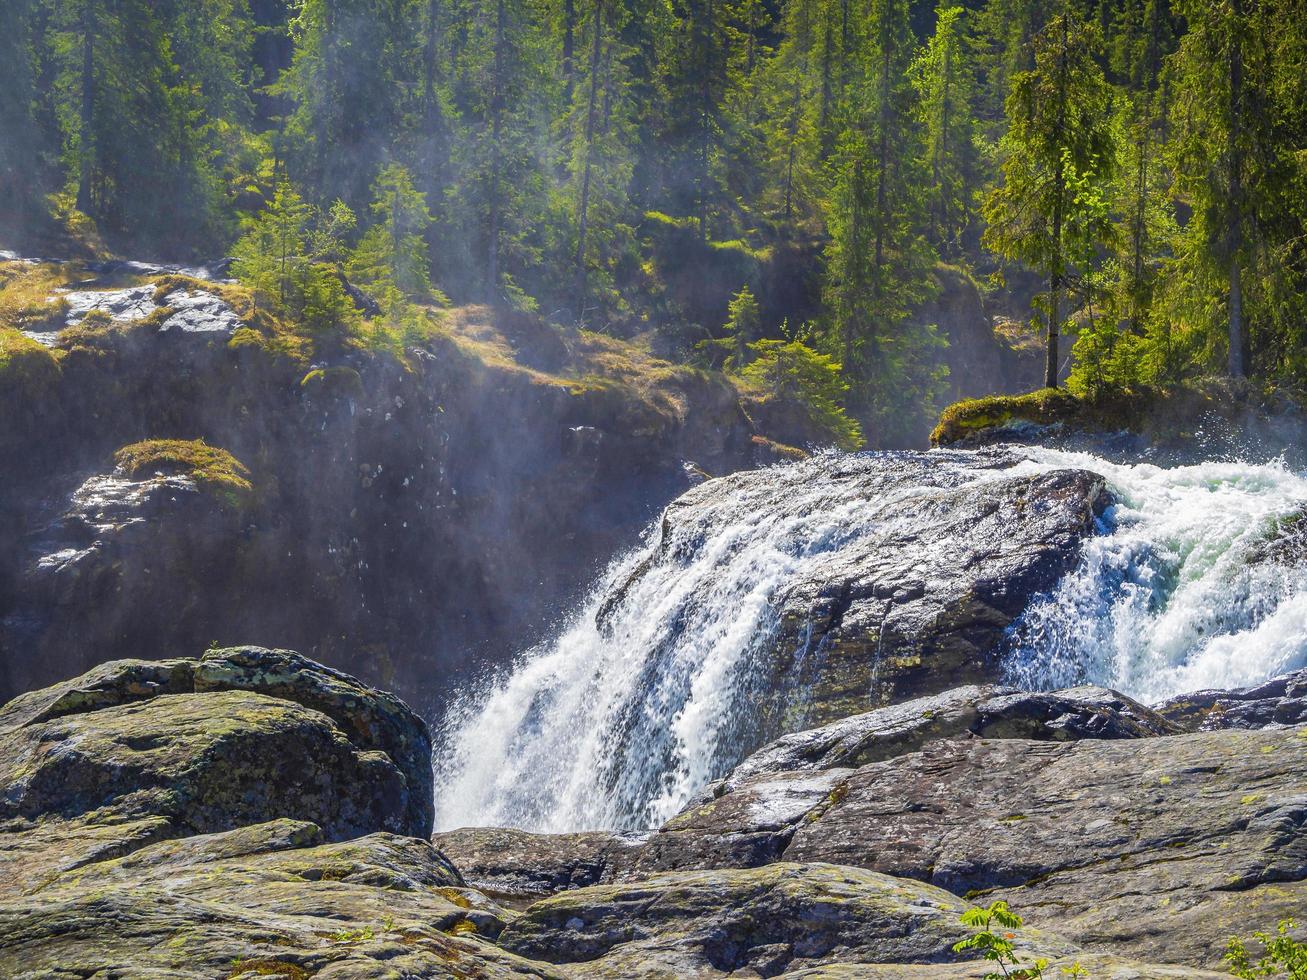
(1059, 140)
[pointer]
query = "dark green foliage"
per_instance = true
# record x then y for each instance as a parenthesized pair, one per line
(632, 166)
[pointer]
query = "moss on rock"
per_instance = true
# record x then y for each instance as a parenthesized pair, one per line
(966, 418)
(207, 465)
(26, 367)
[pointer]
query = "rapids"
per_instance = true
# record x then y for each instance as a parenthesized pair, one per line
(1196, 578)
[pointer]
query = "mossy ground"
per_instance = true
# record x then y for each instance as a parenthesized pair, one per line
(26, 368)
(1166, 413)
(210, 467)
(28, 297)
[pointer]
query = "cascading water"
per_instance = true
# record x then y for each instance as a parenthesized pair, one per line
(1194, 580)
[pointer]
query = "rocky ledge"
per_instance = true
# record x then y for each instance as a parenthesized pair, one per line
(251, 813)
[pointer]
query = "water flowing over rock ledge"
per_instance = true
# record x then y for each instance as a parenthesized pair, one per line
(772, 601)
(251, 813)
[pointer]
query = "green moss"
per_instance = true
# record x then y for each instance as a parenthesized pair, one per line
(214, 469)
(968, 417)
(332, 383)
(26, 368)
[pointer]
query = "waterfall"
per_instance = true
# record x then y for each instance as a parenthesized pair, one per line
(652, 689)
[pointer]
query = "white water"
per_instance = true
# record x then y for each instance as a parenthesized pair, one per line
(619, 727)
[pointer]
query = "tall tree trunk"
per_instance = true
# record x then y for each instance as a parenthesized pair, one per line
(496, 127)
(583, 208)
(569, 48)
(1234, 231)
(705, 114)
(1059, 192)
(86, 148)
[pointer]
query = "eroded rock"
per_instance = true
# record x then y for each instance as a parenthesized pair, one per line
(517, 865)
(1280, 701)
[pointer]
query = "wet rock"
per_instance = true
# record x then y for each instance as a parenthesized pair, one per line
(750, 817)
(916, 599)
(1280, 701)
(987, 711)
(516, 865)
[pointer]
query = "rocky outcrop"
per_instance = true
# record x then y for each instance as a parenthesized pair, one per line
(444, 499)
(1280, 701)
(246, 813)
(986, 711)
(936, 559)
(1092, 814)
(516, 866)
(250, 813)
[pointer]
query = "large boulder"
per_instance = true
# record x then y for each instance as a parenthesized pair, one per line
(139, 751)
(902, 585)
(249, 813)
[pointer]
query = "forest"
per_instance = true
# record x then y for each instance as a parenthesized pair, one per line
(763, 186)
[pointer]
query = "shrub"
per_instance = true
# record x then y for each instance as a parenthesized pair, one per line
(1283, 955)
(791, 369)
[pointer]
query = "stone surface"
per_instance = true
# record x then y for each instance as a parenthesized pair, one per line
(517, 865)
(249, 813)
(786, 919)
(199, 312)
(917, 601)
(1280, 701)
(259, 901)
(987, 711)
(133, 303)
(1160, 848)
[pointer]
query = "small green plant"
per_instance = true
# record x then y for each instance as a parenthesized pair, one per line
(354, 935)
(1283, 955)
(994, 943)
(996, 946)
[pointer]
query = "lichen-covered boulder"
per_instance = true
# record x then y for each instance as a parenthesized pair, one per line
(248, 813)
(786, 919)
(135, 751)
(266, 900)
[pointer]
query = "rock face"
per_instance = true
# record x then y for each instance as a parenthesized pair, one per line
(444, 504)
(1081, 808)
(516, 866)
(913, 593)
(252, 814)
(1281, 701)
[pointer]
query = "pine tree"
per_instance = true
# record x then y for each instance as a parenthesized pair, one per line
(1059, 140)
(878, 261)
(391, 260)
(945, 87)
(22, 174)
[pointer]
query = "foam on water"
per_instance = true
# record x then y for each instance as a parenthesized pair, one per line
(617, 727)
